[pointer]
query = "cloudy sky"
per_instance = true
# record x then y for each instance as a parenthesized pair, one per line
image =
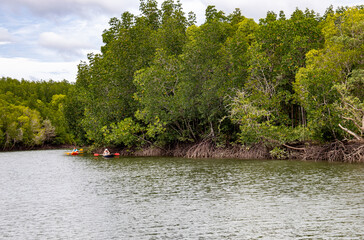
(47, 39)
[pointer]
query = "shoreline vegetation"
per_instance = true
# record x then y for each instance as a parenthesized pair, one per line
(286, 87)
(338, 151)
(349, 152)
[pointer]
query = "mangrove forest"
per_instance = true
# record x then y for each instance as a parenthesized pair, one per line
(283, 87)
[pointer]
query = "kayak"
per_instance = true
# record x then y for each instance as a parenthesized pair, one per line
(75, 153)
(72, 153)
(111, 155)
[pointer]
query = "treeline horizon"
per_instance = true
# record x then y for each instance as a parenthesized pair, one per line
(33, 113)
(160, 80)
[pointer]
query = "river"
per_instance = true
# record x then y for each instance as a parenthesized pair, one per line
(49, 195)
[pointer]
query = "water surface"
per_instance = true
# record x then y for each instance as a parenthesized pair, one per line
(49, 195)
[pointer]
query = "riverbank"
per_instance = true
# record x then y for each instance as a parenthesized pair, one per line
(349, 151)
(338, 151)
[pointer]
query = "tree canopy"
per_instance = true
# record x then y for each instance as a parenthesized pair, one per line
(32, 113)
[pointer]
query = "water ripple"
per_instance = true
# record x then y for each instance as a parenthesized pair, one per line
(48, 195)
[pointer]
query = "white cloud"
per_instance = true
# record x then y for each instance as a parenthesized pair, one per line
(197, 7)
(5, 36)
(63, 44)
(31, 69)
(66, 7)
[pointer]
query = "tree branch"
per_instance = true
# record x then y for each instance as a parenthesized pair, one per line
(350, 132)
(300, 149)
(353, 120)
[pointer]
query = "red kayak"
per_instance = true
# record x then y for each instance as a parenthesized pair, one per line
(73, 153)
(79, 151)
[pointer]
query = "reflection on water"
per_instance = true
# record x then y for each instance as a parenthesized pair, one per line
(49, 195)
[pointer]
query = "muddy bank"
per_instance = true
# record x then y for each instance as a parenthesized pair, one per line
(339, 151)
(334, 152)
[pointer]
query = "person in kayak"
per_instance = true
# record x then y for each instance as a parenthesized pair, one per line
(106, 152)
(75, 149)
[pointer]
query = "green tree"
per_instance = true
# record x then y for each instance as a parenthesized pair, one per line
(171, 35)
(29, 109)
(276, 52)
(325, 87)
(350, 105)
(105, 84)
(187, 92)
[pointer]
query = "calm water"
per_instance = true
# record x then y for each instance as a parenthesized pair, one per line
(49, 195)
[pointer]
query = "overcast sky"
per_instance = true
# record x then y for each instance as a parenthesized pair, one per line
(47, 39)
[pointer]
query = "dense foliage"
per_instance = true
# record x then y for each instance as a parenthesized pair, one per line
(161, 80)
(32, 113)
